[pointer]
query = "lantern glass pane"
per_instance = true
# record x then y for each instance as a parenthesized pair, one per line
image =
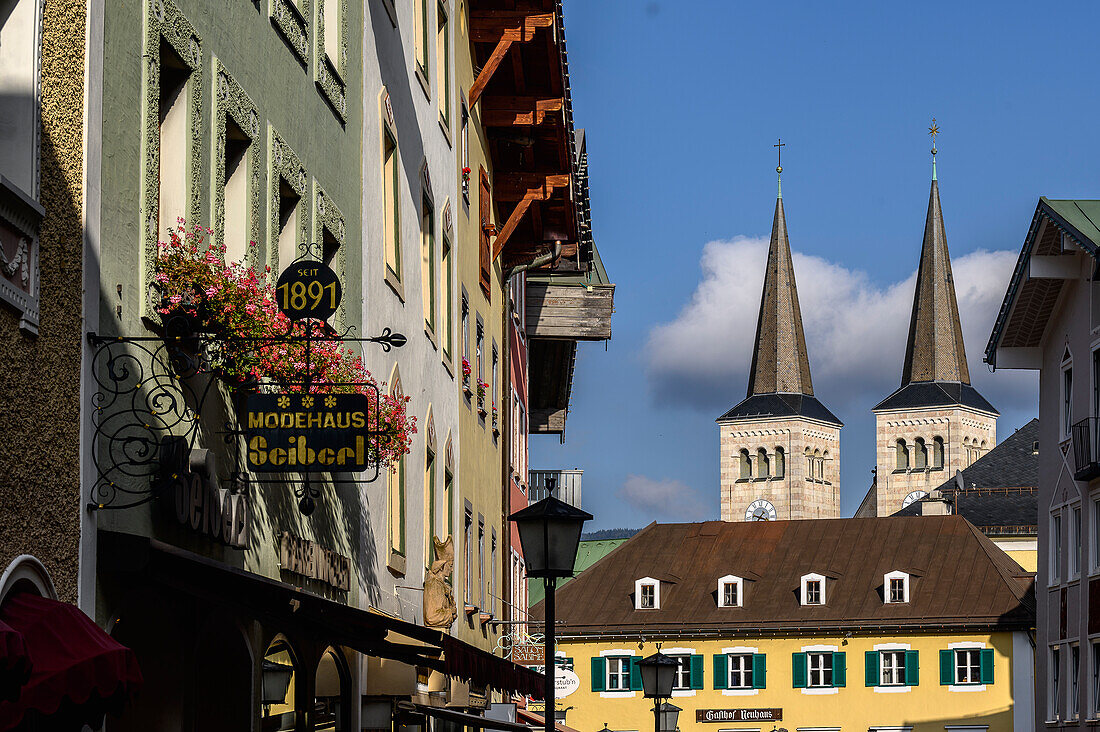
(532, 539)
(565, 536)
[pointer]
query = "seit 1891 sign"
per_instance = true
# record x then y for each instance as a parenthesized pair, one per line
(307, 433)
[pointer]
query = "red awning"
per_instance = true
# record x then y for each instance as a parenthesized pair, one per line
(539, 720)
(468, 662)
(15, 665)
(78, 672)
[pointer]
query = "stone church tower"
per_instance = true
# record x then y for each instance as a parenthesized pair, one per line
(780, 447)
(936, 422)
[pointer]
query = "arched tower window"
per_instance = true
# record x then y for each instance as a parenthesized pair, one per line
(763, 465)
(903, 455)
(937, 452)
(780, 462)
(824, 459)
(920, 454)
(819, 464)
(746, 465)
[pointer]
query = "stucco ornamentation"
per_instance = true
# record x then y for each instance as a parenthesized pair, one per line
(287, 166)
(329, 72)
(292, 22)
(164, 21)
(232, 103)
(327, 217)
(19, 273)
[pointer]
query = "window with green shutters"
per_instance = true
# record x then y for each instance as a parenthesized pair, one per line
(966, 666)
(740, 671)
(891, 668)
(817, 670)
(616, 673)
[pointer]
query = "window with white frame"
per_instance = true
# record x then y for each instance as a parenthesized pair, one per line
(892, 666)
(740, 670)
(813, 589)
(1055, 548)
(968, 665)
(1067, 395)
(618, 673)
(682, 681)
(1095, 559)
(647, 594)
(1095, 686)
(1072, 707)
(820, 666)
(1075, 542)
(1054, 684)
(896, 587)
(730, 591)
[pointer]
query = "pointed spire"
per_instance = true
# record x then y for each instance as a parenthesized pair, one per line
(779, 362)
(935, 349)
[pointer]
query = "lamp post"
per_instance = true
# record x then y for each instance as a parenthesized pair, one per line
(658, 677)
(549, 532)
(668, 714)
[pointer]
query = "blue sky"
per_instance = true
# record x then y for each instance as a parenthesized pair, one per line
(682, 102)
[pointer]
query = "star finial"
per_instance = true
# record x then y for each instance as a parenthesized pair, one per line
(933, 130)
(779, 168)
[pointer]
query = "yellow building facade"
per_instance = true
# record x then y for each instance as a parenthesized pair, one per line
(906, 624)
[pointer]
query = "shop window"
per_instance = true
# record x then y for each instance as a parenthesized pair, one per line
(174, 130)
(331, 700)
(279, 688)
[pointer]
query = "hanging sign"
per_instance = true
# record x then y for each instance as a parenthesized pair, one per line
(308, 289)
(307, 433)
(738, 715)
(310, 559)
(529, 654)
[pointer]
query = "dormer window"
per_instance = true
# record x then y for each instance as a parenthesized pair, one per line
(895, 587)
(730, 591)
(647, 594)
(813, 589)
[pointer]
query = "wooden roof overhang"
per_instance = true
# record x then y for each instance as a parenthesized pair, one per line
(521, 97)
(1030, 299)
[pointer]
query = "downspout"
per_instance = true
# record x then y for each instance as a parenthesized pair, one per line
(554, 253)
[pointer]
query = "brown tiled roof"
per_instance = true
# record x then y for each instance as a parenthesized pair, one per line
(958, 578)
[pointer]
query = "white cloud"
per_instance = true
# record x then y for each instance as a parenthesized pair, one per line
(855, 330)
(669, 499)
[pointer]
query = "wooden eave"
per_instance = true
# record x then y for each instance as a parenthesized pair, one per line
(521, 99)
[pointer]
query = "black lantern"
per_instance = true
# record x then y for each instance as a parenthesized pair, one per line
(668, 714)
(276, 681)
(549, 532)
(658, 675)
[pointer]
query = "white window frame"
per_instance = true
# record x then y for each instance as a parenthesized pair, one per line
(1094, 534)
(888, 594)
(745, 671)
(897, 671)
(965, 646)
(805, 581)
(1054, 664)
(1073, 688)
(616, 694)
(728, 580)
(619, 675)
(647, 582)
(738, 651)
(1094, 678)
(1065, 403)
(683, 670)
(1054, 548)
(1073, 561)
(957, 656)
(674, 652)
(826, 668)
(882, 648)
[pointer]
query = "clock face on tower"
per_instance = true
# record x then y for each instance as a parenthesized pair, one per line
(914, 496)
(760, 510)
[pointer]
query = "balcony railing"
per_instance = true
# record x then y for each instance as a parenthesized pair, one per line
(1086, 449)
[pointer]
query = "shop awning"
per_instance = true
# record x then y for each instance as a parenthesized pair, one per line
(470, 720)
(78, 672)
(368, 632)
(15, 664)
(538, 721)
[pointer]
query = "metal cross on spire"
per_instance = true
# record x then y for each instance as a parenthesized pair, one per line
(779, 168)
(933, 130)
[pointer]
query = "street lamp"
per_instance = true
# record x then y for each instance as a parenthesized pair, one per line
(658, 677)
(549, 532)
(668, 714)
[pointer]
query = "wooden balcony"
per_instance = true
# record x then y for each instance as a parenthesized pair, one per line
(572, 311)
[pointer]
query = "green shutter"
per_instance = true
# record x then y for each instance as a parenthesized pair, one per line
(871, 665)
(987, 665)
(912, 668)
(599, 673)
(721, 671)
(947, 668)
(798, 670)
(759, 671)
(697, 671)
(840, 669)
(635, 674)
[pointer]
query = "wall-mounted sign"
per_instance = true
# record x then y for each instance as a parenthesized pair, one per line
(307, 433)
(310, 559)
(216, 512)
(529, 654)
(738, 715)
(308, 289)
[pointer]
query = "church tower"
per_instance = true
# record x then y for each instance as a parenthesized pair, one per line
(935, 423)
(780, 447)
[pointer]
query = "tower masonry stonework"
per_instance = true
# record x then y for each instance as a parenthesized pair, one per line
(780, 446)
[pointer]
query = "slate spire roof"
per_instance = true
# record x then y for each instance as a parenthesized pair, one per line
(779, 378)
(935, 349)
(935, 371)
(779, 361)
